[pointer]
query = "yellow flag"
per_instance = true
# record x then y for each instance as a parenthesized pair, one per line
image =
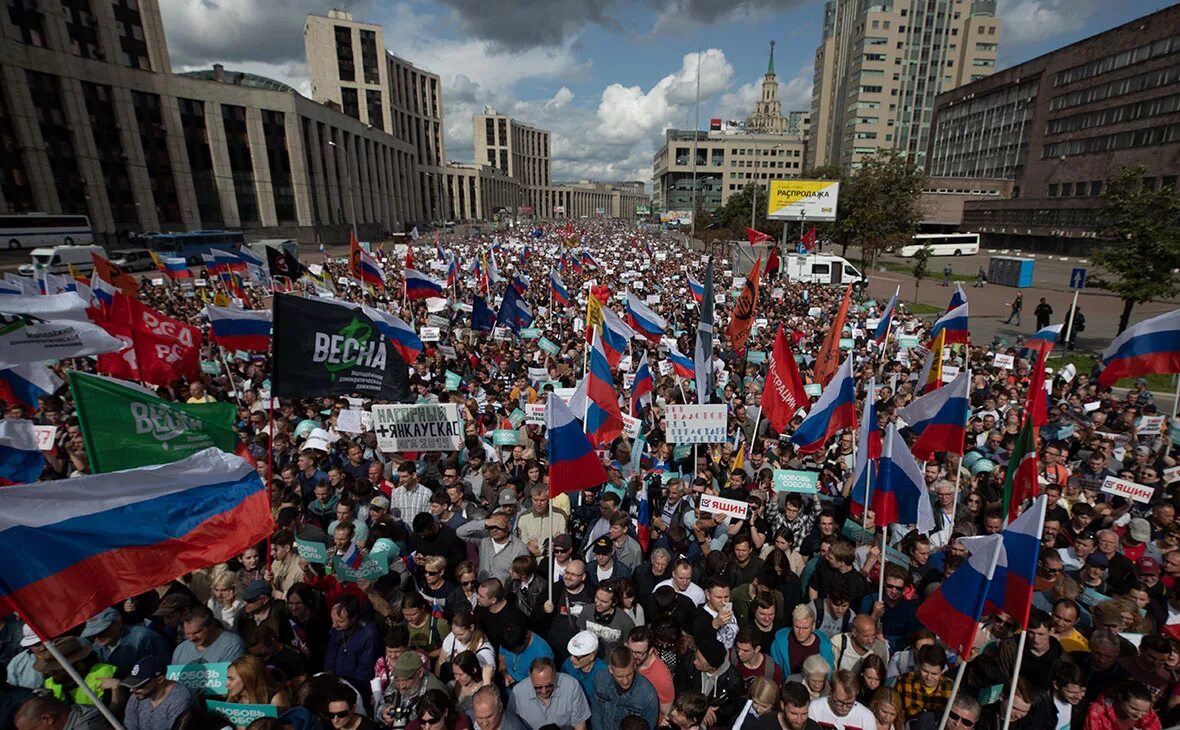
(221, 300)
(594, 317)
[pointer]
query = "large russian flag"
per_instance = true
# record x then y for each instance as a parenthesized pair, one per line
(835, 409)
(26, 384)
(1152, 346)
(401, 335)
(958, 298)
(644, 320)
(901, 488)
(573, 465)
(682, 364)
(953, 611)
(99, 539)
(235, 328)
(865, 469)
(616, 335)
(1043, 338)
(604, 420)
(421, 286)
(939, 418)
(697, 288)
(954, 324)
(20, 460)
(561, 295)
(367, 270)
(176, 267)
(1016, 571)
(642, 386)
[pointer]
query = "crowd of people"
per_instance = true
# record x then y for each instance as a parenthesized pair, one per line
(506, 608)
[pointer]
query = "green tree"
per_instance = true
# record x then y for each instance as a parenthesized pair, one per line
(878, 206)
(921, 261)
(734, 216)
(1140, 234)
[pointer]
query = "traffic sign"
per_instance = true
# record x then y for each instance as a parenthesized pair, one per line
(1077, 279)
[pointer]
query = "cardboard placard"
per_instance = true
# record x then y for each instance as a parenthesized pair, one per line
(504, 437)
(1001, 360)
(200, 678)
(721, 505)
(537, 375)
(549, 346)
(241, 715)
(349, 421)
(631, 426)
(312, 551)
(949, 373)
(447, 351)
(813, 389)
(665, 367)
(421, 427)
(516, 418)
(696, 424)
(530, 333)
(1171, 474)
(46, 436)
(791, 480)
(454, 380)
(369, 569)
(755, 357)
(1150, 425)
(1130, 490)
(429, 334)
(534, 414)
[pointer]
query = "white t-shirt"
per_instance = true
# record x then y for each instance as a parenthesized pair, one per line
(858, 718)
(693, 591)
(485, 653)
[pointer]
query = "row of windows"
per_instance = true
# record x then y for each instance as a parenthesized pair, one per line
(1078, 189)
(1115, 115)
(1130, 85)
(1119, 60)
(1148, 137)
(1043, 217)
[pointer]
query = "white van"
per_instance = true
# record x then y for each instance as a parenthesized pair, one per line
(822, 269)
(57, 259)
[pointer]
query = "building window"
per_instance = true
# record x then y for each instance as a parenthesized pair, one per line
(349, 102)
(1053, 190)
(45, 91)
(369, 64)
(344, 63)
(153, 138)
(200, 160)
(82, 29)
(376, 113)
(274, 130)
(133, 48)
(28, 20)
(112, 160)
(309, 161)
(241, 163)
(14, 181)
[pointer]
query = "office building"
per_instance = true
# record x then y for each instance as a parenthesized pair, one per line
(349, 67)
(520, 151)
(93, 122)
(879, 67)
(1059, 127)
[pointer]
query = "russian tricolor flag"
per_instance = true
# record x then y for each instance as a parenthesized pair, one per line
(953, 611)
(886, 318)
(176, 267)
(103, 290)
(901, 488)
(604, 420)
(864, 472)
(20, 462)
(954, 324)
(366, 268)
(26, 384)
(353, 557)
(573, 465)
(835, 409)
(452, 271)
(642, 386)
(561, 295)
(682, 364)
(644, 320)
(401, 335)
(1042, 339)
(421, 286)
(939, 418)
(101, 538)
(616, 335)
(1016, 571)
(235, 328)
(1152, 346)
(958, 298)
(697, 289)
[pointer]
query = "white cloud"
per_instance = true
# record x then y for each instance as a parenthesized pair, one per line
(1032, 21)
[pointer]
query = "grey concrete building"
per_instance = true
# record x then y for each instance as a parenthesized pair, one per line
(519, 150)
(1058, 127)
(93, 122)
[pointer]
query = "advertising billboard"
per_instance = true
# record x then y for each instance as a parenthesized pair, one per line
(802, 200)
(677, 217)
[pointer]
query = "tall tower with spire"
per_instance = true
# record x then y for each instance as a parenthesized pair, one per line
(768, 112)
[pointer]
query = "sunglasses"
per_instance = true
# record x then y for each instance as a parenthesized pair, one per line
(433, 572)
(340, 715)
(543, 687)
(965, 722)
(428, 720)
(470, 583)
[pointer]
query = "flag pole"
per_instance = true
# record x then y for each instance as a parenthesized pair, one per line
(229, 374)
(946, 713)
(881, 561)
(552, 554)
(1015, 676)
(78, 679)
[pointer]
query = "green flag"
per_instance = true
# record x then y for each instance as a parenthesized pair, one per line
(124, 426)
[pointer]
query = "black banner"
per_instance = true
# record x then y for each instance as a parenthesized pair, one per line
(282, 263)
(324, 348)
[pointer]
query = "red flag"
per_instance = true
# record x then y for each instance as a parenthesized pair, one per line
(1036, 404)
(166, 349)
(829, 354)
(116, 320)
(783, 395)
(1020, 482)
(742, 316)
(808, 239)
(757, 236)
(410, 255)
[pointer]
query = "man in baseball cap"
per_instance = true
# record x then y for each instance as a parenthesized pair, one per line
(155, 701)
(583, 663)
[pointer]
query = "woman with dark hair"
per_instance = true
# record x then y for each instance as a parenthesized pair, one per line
(309, 621)
(871, 676)
(437, 711)
(1126, 707)
(342, 712)
(469, 679)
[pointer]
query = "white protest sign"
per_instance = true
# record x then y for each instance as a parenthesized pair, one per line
(349, 421)
(665, 367)
(1004, 361)
(652, 299)
(446, 351)
(1150, 425)
(422, 427)
(1172, 474)
(949, 373)
(631, 426)
(534, 414)
(721, 505)
(429, 334)
(1130, 490)
(45, 436)
(536, 375)
(1091, 407)
(696, 424)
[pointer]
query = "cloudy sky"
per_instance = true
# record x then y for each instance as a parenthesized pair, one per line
(605, 76)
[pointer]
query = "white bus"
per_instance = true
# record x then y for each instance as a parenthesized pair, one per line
(943, 244)
(30, 230)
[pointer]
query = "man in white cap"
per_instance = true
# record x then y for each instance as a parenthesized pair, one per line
(583, 663)
(21, 672)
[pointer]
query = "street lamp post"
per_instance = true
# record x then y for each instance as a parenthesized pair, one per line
(348, 175)
(754, 199)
